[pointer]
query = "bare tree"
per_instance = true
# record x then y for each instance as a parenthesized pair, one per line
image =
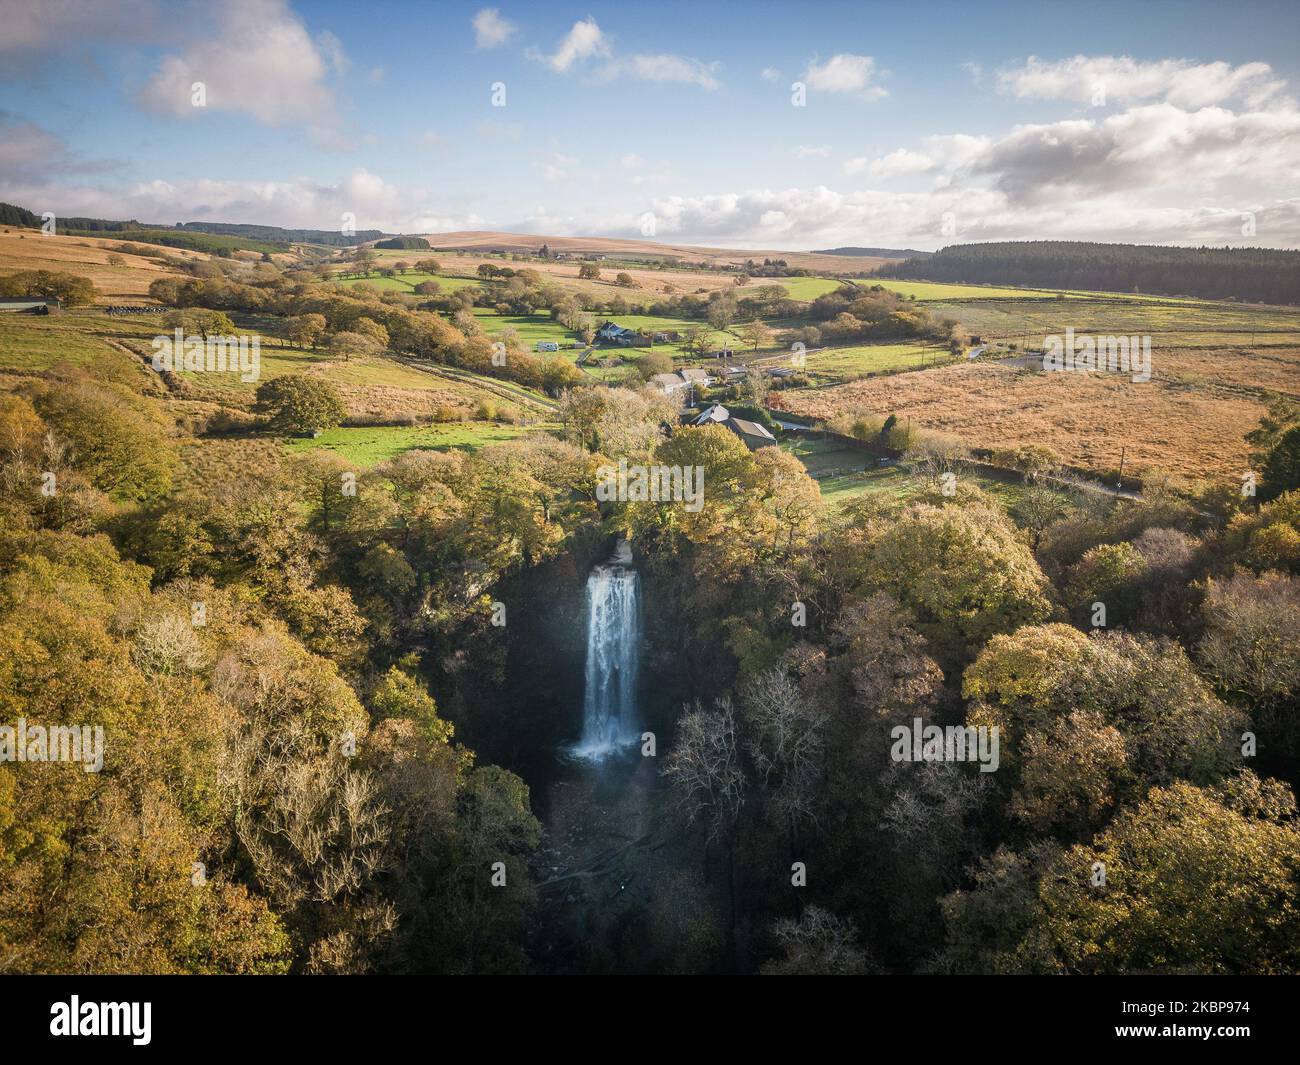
(704, 768)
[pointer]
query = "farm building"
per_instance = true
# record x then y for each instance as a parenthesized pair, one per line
(717, 413)
(30, 305)
(667, 382)
(695, 377)
(675, 382)
(752, 434)
(612, 332)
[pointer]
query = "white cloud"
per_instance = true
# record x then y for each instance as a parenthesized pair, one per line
(667, 68)
(955, 150)
(900, 161)
(558, 167)
(261, 61)
(583, 41)
(35, 32)
(632, 161)
(845, 73)
(27, 152)
(808, 151)
(332, 49)
(376, 203)
(490, 29)
(820, 217)
(1148, 148)
(1123, 79)
(770, 74)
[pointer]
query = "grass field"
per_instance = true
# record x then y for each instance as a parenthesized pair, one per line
(370, 446)
(530, 328)
(1170, 324)
(800, 288)
(407, 282)
(938, 290)
(898, 482)
(845, 472)
(842, 364)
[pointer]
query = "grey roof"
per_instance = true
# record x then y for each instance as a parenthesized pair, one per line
(751, 428)
(715, 413)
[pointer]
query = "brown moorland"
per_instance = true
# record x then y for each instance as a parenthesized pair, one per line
(1189, 419)
(29, 249)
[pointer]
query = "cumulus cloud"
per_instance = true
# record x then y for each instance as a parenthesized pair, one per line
(260, 61)
(490, 29)
(821, 217)
(36, 32)
(29, 153)
(584, 40)
(376, 203)
(1123, 79)
(900, 161)
(845, 73)
(1146, 148)
(770, 74)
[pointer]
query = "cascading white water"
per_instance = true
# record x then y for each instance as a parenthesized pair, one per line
(609, 715)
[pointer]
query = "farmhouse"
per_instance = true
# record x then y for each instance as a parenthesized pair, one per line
(613, 333)
(30, 305)
(667, 382)
(715, 413)
(675, 382)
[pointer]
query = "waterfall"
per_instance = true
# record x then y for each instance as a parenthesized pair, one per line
(609, 718)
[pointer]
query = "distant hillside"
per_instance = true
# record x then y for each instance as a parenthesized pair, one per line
(1258, 275)
(13, 215)
(479, 241)
(229, 236)
(877, 253)
(285, 236)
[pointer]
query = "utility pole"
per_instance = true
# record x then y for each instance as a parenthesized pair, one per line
(1120, 484)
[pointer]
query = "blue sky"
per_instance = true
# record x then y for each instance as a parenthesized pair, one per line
(921, 124)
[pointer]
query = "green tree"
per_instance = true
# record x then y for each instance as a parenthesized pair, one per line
(301, 404)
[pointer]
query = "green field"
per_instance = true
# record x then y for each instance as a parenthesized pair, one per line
(842, 364)
(799, 288)
(369, 446)
(31, 343)
(530, 327)
(407, 282)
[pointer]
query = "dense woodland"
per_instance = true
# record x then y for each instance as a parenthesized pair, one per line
(1259, 275)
